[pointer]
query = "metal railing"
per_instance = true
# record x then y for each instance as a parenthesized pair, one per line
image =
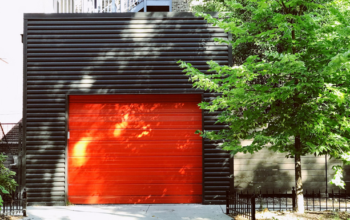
(336, 201)
(14, 204)
(94, 6)
(120, 6)
(246, 203)
(240, 205)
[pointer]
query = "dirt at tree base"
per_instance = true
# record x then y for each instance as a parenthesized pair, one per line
(10, 217)
(288, 215)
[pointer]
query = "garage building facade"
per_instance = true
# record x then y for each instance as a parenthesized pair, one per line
(109, 116)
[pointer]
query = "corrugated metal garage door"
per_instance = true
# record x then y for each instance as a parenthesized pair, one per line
(134, 149)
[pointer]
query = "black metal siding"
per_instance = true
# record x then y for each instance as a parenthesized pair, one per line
(127, 53)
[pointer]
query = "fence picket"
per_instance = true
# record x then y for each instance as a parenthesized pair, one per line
(333, 199)
(319, 200)
(253, 207)
(339, 199)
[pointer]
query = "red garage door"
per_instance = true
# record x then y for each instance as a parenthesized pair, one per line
(134, 149)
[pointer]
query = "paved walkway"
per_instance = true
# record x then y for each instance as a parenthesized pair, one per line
(128, 212)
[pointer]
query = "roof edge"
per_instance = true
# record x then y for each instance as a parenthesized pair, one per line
(134, 15)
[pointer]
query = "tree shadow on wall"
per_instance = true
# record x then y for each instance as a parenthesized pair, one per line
(264, 178)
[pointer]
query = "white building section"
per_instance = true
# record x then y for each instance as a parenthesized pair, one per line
(105, 6)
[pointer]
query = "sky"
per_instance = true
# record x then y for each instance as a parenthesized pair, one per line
(11, 50)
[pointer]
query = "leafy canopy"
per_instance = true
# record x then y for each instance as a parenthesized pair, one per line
(291, 77)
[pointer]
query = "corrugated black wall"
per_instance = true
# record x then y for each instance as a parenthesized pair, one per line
(128, 53)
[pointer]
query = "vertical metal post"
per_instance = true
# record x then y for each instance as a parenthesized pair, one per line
(267, 201)
(145, 6)
(280, 198)
(253, 207)
(240, 207)
(170, 6)
(319, 192)
(286, 201)
(273, 199)
(10, 213)
(307, 201)
(293, 197)
(235, 197)
(313, 200)
(113, 6)
(16, 202)
(236, 203)
(339, 199)
(333, 199)
(248, 208)
(24, 203)
(227, 201)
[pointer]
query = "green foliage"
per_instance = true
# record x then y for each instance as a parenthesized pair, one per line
(7, 183)
(290, 78)
(211, 6)
(338, 176)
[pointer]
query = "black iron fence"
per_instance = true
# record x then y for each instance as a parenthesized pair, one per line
(246, 203)
(334, 200)
(240, 205)
(14, 204)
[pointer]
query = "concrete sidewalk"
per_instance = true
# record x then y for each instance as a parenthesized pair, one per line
(128, 212)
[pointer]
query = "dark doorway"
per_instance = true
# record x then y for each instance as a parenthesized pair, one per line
(156, 9)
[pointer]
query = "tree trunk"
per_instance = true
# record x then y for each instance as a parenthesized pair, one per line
(298, 180)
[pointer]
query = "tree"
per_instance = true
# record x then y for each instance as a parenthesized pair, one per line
(7, 183)
(289, 86)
